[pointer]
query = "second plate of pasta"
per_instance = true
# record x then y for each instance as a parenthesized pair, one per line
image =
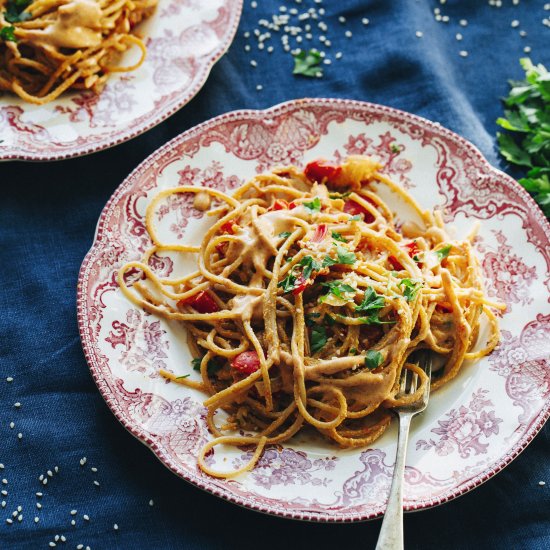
(257, 286)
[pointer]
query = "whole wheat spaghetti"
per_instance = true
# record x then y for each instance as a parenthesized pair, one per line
(50, 46)
(307, 302)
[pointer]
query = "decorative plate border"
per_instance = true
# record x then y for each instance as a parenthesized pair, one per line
(148, 122)
(274, 507)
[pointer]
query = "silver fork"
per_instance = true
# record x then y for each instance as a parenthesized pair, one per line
(391, 532)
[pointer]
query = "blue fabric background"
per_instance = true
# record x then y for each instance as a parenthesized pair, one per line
(48, 214)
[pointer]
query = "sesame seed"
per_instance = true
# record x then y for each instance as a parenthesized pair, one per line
(88, 548)
(86, 517)
(527, 49)
(547, 7)
(523, 33)
(3, 504)
(9, 379)
(80, 547)
(463, 22)
(259, 87)
(56, 469)
(246, 34)
(270, 49)
(342, 19)
(52, 544)
(73, 522)
(327, 61)
(253, 63)
(41, 477)
(14, 514)
(1, 466)
(20, 518)
(19, 508)
(12, 425)
(115, 527)
(63, 539)
(151, 502)
(73, 512)
(514, 23)
(445, 18)
(17, 405)
(542, 483)
(9, 520)
(20, 435)
(38, 494)
(45, 481)
(365, 21)
(419, 34)
(36, 519)
(458, 36)
(463, 53)
(56, 538)
(38, 505)
(4, 493)
(247, 48)
(50, 473)
(338, 55)
(348, 34)
(254, 5)
(83, 461)
(438, 17)
(5, 481)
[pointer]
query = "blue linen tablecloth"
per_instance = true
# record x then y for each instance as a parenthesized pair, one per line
(48, 214)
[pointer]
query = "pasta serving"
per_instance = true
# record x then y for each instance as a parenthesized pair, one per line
(49, 46)
(308, 301)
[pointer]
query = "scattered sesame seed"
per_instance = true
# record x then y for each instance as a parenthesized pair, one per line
(342, 19)
(254, 5)
(542, 483)
(19, 508)
(151, 502)
(73, 512)
(438, 17)
(246, 34)
(365, 21)
(20, 435)
(458, 36)
(523, 33)
(96, 483)
(83, 461)
(20, 518)
(247, 48)
(12, 425)
(4, 493)
(419, 34)
(527, 49)
(115, 527)
(9, 520)
(5, 481)
(38, 494)
(338, 55)
(41, 477)
(259, 87)
(52, 544)
(38, 505)
(56, 469)
(73, 522)
(463, 22)
(88, 548)
(80, 547)
(348, 34)
(445, 18)
(17, 405)
(63, 539)
(50, 473)
(56, 538)
(86, 517)
(14, 514)
(3, 504)
(463, 53)
(1, 466)
(327, 61)
(253, 63)
(9, 379)
(547, 7)
(514, 23)
(36, 519)
(45, 481)
(270, 49)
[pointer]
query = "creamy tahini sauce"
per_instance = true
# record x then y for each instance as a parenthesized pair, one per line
(78, 25)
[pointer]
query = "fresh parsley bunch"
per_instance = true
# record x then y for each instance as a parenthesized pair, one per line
(527, 112)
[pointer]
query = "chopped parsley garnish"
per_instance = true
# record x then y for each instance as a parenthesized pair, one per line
(328, 320)
(284, 234)
(442, 253)
(309, 318)
(338, 288)
(307, 63)
(337, 237)
(314, 205)
(356, 218)
(526, 112)
(410, 288)
(7, 34)
(328, 261)
(416, 258)
(183, 376)
(345, 257)
(212, 367)
(372, 302)
(287, 284)
(374, 320)
(15, 11)
(318, 338)
(309, 266)
(353, 351)
(373, 359)
(196, 362)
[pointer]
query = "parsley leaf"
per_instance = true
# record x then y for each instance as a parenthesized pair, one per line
(337, 237)
(196, 362)
(309, 318)
(328, 320)
(372, 302)
(284, 234)
(15, 11)
(212, 367)
(314, 205)
(410, 288)
(338, 288)
(527, 114)
(7, 34)
(395, 148)
(328, 261)
(373, 359)
(318, 338)
(442, 253)
(353, 351)
(287, 284)
(345, 257)
(310, 265)
(307, 63)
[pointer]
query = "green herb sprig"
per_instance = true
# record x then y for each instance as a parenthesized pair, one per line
(308, 63)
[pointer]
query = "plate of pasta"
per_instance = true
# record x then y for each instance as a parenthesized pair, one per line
(257, 286)
(79, 76)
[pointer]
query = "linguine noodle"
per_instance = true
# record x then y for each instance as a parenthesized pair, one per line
(50, 46)
(308, 300)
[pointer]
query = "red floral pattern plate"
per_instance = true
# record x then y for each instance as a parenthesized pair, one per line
(184, 39)
(473, 427)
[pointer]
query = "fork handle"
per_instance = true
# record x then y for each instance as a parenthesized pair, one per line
(391, 533)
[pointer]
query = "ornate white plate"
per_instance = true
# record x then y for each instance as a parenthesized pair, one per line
(473, 427)
(184, 39)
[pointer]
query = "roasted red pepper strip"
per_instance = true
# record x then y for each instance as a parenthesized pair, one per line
(227, 227)
(321, 232)
(246, 362)
(201, 302)
(292, 205)
(279, 204)
(354, 208)
(412, 250)
(321, 170)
